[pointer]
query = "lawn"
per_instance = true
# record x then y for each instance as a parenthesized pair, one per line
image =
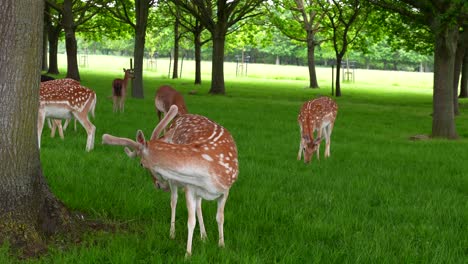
(379, 198)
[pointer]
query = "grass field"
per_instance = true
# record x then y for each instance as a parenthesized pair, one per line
(379, 198)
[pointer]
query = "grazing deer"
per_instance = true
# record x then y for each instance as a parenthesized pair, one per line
(167, 96)
(64, 99)
(316, 115)
(206, 167)
(119, 90)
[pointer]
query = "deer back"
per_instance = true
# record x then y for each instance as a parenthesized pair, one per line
(68, 93)
(315, 113)
(211, 144)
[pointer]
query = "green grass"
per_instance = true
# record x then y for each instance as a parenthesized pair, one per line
(379, 198)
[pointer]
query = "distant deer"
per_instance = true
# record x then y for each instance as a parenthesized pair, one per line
(64, 99)
(202, 159)
(167, 96)
(316, 115)
(119, 90)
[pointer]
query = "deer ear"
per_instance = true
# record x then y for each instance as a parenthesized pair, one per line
(306, 138)
(140, 138)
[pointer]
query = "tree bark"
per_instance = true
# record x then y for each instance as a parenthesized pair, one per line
(339, 59)
(45, 66)
(217, 66)
(443, 119)
(175, 66)
(198, 45)
(141, 9)
(70, 40)
(28, 210)
(464, 77)
(313, 83)
(53, 36)
(459, 55)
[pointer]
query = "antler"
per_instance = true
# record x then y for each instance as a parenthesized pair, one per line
(111, 140)
(167, 118)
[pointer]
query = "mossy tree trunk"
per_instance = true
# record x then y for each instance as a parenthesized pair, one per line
(28, 210)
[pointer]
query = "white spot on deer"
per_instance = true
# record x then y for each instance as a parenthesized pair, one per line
(207, 157)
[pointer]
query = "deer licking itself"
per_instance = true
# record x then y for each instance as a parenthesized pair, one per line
(197, 154)
(316, 115)
(64, 99)
(167, 96)
(119, 90)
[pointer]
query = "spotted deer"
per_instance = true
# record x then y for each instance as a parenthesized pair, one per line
(167, 96)
(119, 90)
(316, 115)
(197, 154)
(64, 99)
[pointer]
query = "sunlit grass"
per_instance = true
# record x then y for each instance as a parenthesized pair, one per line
(379, 198)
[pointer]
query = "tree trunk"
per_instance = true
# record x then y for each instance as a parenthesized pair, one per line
(217, 66)
(45, 66)
(70, 40)
(464, 77)
(197, 43)
(142, 9)
(311, 61)
(339, 59)
(456, 76)
(175, 66)
(443, 119)
(459, 55)
(28, 210)
(54, 33)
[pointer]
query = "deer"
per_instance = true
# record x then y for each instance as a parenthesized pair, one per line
(196, 154)
(64, 99)
(166, 96)
(119, 90)
(316, 115)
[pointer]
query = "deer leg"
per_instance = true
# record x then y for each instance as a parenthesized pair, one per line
(90, 129)
(60, 128)
(173, 208)
(58, 124)
(319, 136)
(114, 105)
(65, 125)
(220, 217)
(300, 144)
(327, 148)
(299, 154)
(191, 222)
(40, 125)
(200, 219)
(52, 128)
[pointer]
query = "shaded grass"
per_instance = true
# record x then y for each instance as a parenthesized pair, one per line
(380, 198)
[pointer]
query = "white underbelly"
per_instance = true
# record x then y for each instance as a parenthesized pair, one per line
(57, 112)
(200, 183)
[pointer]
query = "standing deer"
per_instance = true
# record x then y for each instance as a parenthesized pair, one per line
(316, 115)
(203, 161)
(167, 96)
(64, 99)
(119, 90)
